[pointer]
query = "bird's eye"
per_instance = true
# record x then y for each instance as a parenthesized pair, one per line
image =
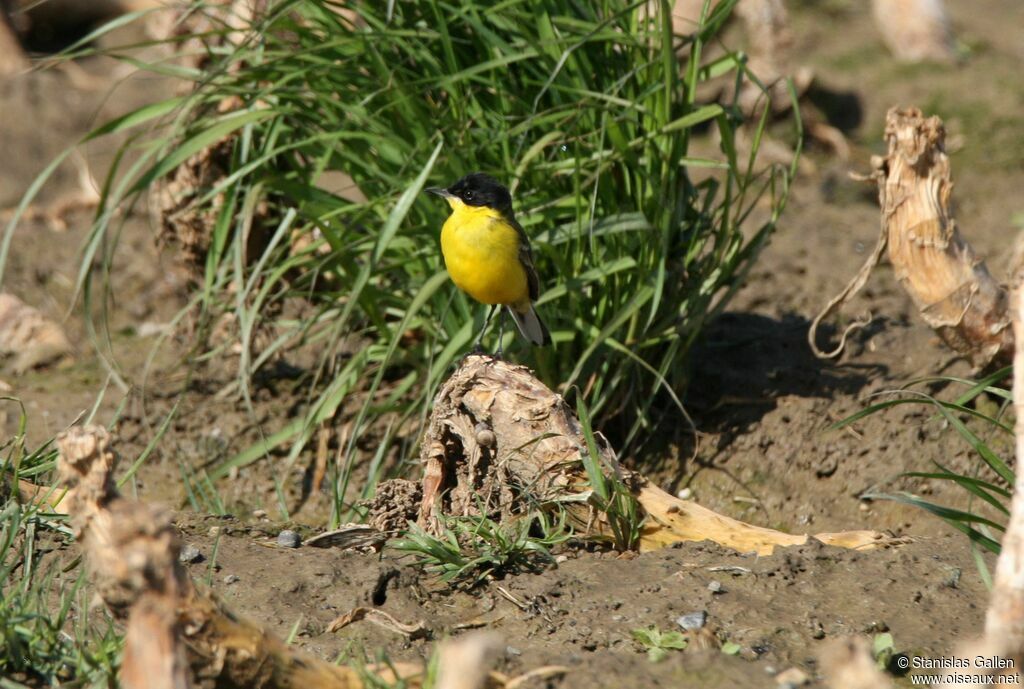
(468, 195)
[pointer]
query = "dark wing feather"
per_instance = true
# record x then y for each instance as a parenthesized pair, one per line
(526, 258)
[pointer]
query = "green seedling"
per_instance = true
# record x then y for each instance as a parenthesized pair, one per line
(658, 643)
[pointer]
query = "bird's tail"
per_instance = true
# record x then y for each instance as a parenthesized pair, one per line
(530, 324)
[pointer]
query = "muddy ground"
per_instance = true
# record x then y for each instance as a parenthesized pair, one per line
(762, 401)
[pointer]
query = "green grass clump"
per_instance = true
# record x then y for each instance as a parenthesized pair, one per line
(48, 636)
(990, 481)
(609, 493)
(471, 550)
(586, 110)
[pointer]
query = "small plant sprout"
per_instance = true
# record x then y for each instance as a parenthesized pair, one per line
(659, 643)
(470, 550)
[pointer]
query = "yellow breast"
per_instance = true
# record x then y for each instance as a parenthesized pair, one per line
(481, 252)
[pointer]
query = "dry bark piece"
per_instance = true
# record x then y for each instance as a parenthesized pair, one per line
(418, 630)
(465, 662)
(46, 497)
(671, 520)
(528, 678)
(28, 336)
(177, 636)
(348, 536)
(949, 283)
(534, 457)
(915, 30)
(984, 648)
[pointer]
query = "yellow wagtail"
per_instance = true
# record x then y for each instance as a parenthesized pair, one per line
(488, 255)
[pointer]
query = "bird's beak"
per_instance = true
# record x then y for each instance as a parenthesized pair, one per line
(443, 193)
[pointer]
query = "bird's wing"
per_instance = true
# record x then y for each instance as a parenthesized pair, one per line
(526, 258)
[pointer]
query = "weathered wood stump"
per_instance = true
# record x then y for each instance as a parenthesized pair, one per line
(915, 30)
(177, 635)
(500, 443)
(948, 281)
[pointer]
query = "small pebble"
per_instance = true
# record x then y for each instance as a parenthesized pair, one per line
(692, 620)
(513, 651)
(485, 436)
(716, 587)
(288, 539)
(259, 514)
(953, 580)
(792, 678)
(189, 554)
(232, 578)
(559, 559)
(214, 531)
(684, 493)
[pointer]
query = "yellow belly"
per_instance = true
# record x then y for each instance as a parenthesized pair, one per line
(481, 253)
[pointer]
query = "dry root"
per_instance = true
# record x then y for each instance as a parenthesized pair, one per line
(500, 443)
(948, 282)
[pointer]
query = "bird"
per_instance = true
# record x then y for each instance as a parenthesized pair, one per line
(487, 254)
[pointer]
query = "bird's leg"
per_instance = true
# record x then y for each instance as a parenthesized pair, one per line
(501, 335)
(480, 338)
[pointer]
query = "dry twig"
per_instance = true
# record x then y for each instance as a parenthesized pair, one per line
(381, 619)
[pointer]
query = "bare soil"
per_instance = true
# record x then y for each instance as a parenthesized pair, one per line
(762, 401)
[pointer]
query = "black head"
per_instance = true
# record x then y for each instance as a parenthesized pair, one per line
(479, 189)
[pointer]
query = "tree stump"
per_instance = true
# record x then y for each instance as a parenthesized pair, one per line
(1004, 623)
(500, 443)
(915, 30)
(950, 285)
(177, 636)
